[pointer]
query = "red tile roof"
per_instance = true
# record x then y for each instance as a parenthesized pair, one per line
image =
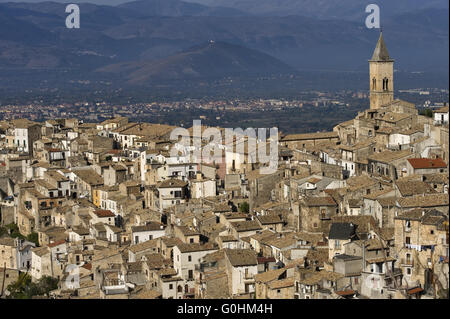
(87, 266)
(345, 292)
(57, 243)
(104, 213)
(418, 163)
(415, 290)
(262, 260)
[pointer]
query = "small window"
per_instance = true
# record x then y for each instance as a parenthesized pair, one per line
(432, 232)
(189, 258)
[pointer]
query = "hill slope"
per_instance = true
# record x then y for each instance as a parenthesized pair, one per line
(211, 60)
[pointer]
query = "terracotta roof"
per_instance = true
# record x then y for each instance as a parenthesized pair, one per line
(186, 248)
(430, 200)
(389, 156)
(87, 266)
(346, 292)
(188, 231)
(415, 290)
(149, 227)
(320, 201)
(173, 182)
(149, 244)
(247, 225)
(269, 219)
(104, 213)
(269, 275)
(241, 257)
(420, 163)
(379, 260)
(57, 243)
(284, 283)
(413, 188)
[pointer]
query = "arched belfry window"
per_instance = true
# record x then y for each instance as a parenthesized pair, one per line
(374, 84)
(385, 84)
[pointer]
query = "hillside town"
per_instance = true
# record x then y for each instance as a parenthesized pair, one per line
(105, 210)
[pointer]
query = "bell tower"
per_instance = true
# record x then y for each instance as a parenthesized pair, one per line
(381, 76)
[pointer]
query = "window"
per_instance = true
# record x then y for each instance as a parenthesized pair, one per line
(170, 286)
(408, 240)
(189, 258)
(432, 232)
(337, 244)
(190, 274)
(408, 271)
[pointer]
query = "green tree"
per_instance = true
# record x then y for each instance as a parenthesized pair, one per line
(19, 289)
(427, 113)
(13, 231)
(34, 238)
(3, 231)
(244, 208)
(24, 288)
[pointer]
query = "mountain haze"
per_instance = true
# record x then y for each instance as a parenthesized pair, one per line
(210, 60)
(153, 33)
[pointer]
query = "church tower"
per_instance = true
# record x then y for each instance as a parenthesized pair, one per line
(381, 76)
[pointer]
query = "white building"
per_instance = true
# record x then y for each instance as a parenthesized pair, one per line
(202, 188)
(242, 266)
(186, 257)
(441, 116)
(152, 230)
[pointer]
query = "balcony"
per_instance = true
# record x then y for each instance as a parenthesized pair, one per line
(249, 277)
(407, 262)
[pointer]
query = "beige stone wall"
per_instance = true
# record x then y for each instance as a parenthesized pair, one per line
(379, 71)
(285, 293)
(8, 256)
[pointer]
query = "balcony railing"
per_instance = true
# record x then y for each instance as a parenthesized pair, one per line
(249, 276)
(407, 262)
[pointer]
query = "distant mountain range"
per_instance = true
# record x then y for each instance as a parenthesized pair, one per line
(157, 37)
(324, 9)
(209, 60)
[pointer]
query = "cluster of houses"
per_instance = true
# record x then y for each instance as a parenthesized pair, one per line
(359, 212)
